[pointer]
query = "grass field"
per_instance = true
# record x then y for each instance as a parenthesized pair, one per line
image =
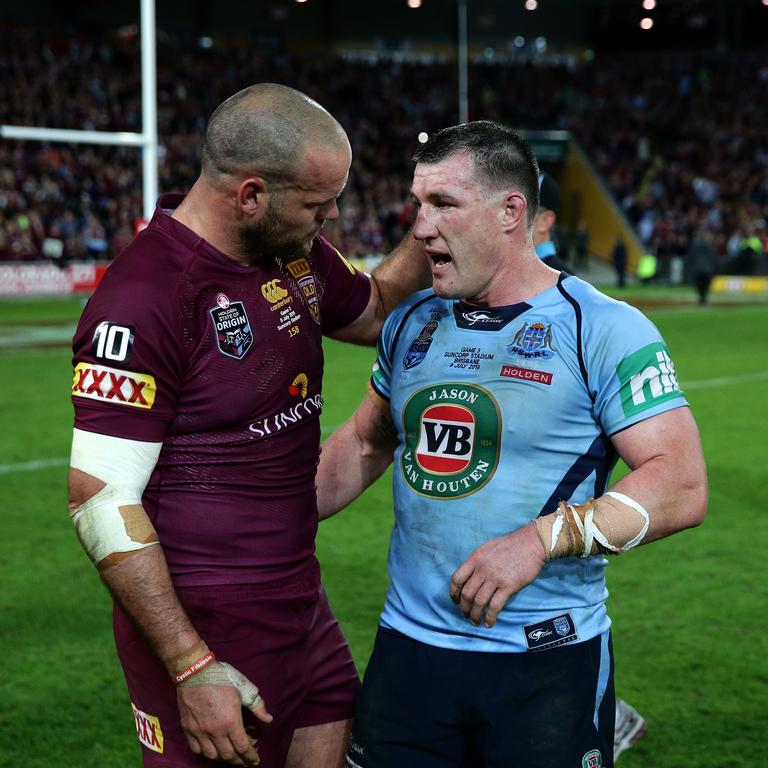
(690, 626)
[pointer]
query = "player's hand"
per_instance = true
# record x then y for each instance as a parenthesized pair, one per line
(209, 706)
(494, 572)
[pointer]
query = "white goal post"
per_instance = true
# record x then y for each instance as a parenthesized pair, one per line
(146, 140)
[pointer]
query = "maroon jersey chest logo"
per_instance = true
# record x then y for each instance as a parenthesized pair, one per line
(234, 335)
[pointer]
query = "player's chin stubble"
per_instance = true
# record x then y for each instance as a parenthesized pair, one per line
(265, 242)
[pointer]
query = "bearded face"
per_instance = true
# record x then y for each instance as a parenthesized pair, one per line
(275, 236)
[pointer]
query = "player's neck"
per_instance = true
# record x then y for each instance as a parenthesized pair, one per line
(519, 280)
(200, 213)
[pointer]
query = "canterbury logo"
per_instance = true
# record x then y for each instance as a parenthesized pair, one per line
(272, 291)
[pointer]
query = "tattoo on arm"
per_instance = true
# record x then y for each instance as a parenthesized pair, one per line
(386, 427)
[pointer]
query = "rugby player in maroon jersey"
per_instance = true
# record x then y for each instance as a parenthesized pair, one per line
(197, 394)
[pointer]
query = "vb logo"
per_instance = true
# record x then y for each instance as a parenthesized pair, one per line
(452, 434)
(446, 439)
(273, 292)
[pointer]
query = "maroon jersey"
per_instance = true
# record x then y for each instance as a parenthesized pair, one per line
(223, 363)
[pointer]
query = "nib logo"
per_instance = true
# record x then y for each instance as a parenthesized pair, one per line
(647, 379)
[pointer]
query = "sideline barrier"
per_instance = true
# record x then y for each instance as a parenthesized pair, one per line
(739, 284)
(47, 279)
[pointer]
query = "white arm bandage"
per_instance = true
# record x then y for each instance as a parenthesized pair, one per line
(113, 520)
(609, 525)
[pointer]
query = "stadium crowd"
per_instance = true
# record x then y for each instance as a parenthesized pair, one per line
(678, 138)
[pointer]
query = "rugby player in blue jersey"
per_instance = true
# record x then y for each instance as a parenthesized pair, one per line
(505, 394)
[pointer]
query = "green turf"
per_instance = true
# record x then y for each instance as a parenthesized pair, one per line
(690, 630)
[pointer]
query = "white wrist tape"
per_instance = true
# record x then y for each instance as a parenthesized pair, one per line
(221, 673)
(113, 519)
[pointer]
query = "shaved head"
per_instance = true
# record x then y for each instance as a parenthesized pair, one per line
(265, 130)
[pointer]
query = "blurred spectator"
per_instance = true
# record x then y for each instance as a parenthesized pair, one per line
(681, 143)
(702, 262)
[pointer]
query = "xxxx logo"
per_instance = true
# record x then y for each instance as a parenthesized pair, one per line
(98, 382)
(273, 291)
(148, 729)
(452, 435)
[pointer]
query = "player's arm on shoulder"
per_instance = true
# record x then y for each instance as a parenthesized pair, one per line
(355, 455)
(401, 273)
(665, 492)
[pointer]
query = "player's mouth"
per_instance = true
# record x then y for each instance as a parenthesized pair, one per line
(439, 259)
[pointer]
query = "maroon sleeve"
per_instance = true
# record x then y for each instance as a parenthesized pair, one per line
(346, 290)
(128, 349)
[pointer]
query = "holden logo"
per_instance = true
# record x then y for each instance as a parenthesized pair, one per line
(452, 435)
(222, 300)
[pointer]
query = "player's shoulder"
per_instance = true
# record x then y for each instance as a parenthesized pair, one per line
(408, 310)
(153, 252)
(325, 253)
(596, 307)
(413, 302)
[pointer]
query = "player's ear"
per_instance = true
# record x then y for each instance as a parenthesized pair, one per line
(515, 209)
(252, 195)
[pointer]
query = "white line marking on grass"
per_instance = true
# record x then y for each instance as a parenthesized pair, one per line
(724, 381)
(31, 466)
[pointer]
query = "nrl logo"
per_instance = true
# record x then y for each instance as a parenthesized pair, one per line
(420, 346)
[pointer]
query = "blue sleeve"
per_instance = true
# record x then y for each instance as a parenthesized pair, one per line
(381, 379)
(386, 365)
(630, 369)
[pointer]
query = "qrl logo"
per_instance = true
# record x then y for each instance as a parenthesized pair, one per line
(446, 439)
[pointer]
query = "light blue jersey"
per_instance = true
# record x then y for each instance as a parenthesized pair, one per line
(501, 413)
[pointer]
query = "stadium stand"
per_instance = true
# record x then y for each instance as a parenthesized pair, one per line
(678, 138)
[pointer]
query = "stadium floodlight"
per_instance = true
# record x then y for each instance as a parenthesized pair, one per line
(649, 5)
(531, 5)
(646, 23)
(414, 3)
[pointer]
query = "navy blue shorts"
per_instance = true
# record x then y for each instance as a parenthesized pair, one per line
(428, 707)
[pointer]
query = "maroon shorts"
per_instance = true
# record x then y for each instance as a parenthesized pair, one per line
(282, 636)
